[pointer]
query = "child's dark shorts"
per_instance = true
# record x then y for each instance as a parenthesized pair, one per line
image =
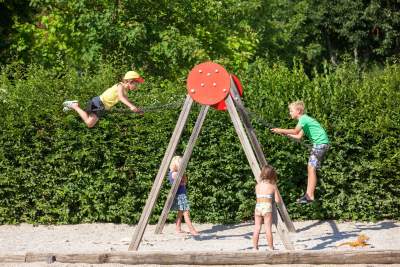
(317, 155)
(96, 106)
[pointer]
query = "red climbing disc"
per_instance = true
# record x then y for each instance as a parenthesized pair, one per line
(221, 105)
(208, 83)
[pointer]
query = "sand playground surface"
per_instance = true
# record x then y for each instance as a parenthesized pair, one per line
(82, 238)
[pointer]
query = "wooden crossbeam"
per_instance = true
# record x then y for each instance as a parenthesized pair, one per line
(182, 169)
(258, 151)
(365, 257)
(155, 190)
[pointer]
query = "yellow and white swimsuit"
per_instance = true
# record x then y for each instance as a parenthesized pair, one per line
(264, 207)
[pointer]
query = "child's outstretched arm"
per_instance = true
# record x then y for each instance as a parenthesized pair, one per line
(124, 99)
(296, 133)
(293, 131)
(297, 136)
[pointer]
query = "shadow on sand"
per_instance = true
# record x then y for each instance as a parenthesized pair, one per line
(216, 232)
(336, 235)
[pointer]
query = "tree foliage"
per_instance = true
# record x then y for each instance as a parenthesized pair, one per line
(169, 37)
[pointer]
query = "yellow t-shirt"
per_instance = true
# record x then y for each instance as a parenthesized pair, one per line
(110, 96)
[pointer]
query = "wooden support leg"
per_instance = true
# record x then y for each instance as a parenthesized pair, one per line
(184, 162)
(242, 137)
(254, 165)
(155, 190)
(258, 151)
(280, 229)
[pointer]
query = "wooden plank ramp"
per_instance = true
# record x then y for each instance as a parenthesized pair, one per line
(213, 258)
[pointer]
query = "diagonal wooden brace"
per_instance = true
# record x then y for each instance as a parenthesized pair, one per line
(155, 190)
(258, 151)
(182, 169)
(254, 166)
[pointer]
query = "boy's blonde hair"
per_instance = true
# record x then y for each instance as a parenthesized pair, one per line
(298, 105)
(268, 173)
(175, 163)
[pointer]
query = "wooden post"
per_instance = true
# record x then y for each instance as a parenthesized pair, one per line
(254, 165)
(279, 226)
(247, 125)
(155, 190)
(242, 137)
(258, 151)
(182, 169)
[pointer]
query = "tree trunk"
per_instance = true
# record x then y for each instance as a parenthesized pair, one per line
(355, 53)
(332, 53)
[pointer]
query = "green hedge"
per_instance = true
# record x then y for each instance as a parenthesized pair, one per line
(55, 170)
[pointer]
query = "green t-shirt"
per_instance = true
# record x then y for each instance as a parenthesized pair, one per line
(313, 130)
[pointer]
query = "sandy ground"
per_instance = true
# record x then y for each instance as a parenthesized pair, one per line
(310, 235)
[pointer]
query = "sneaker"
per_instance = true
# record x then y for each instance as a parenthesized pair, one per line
(69, 103)
(304, 200)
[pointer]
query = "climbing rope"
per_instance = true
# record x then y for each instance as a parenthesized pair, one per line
(154, 108)
(268, 125)
(177, 104)
(160, 107)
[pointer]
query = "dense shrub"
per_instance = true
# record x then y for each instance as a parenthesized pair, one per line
(55, 170)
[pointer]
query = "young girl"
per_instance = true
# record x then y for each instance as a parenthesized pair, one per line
(99, 104)
(265, 191)
(181, 202)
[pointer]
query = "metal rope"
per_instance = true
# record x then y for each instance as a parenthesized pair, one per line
(262, 121)
(179, 103)
(154, 108)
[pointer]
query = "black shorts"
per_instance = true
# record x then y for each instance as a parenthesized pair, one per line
(96, 106)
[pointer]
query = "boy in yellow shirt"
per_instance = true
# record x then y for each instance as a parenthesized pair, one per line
(97, 106)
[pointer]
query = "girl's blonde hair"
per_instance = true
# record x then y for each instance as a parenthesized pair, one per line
(175, 163)
(298, 105)
(268, 173)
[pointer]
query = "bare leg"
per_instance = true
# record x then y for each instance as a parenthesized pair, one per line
(268, 230)
(312, 181)
(256, 233)
(189, 223)
(178, 222)
(89, 119)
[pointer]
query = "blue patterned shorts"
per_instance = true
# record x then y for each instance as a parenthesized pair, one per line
(181, 202)
(317, 155)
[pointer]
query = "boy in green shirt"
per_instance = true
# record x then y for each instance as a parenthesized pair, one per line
(314, 131)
